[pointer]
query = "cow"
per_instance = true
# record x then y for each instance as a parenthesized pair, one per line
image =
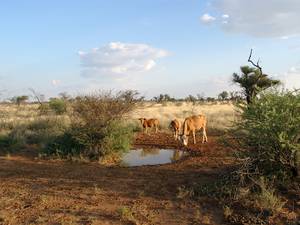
(193, 124)
(149, 123)
(175, 127)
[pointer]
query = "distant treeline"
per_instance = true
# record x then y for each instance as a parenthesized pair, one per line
(223, 96)
(40, 98)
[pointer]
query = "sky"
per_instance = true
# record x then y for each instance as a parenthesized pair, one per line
(179, 47)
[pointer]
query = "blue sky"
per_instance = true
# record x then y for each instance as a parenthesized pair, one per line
(178, 47)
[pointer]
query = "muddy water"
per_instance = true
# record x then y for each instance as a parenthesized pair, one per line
(140, 157)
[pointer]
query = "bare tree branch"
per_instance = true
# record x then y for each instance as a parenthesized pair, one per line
(257, 64)
(36, 96)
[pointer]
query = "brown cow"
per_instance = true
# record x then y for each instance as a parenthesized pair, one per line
(193, 124)
(175, 126)
(149, 123)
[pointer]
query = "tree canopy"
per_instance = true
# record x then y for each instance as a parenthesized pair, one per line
(252, 81)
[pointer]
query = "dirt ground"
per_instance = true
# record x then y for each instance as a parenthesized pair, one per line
(35, 191)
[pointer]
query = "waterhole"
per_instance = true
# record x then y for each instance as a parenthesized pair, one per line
(141, 157)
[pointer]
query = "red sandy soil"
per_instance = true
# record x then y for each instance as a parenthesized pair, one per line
(35, 191)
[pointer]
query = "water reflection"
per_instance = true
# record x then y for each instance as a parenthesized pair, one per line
(149, 151)
(141, 157)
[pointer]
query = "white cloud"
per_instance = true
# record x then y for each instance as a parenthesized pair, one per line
(207, 18)
(291, 79)
(120, 58)
(272, 18)
(225, 16)
(55, 82)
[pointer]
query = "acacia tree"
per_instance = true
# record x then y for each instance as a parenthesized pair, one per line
(223, 95)
(163, 98)
(252, 80)
(19, 99)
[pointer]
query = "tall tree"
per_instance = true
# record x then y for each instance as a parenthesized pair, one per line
(252, 80)
(223, 95)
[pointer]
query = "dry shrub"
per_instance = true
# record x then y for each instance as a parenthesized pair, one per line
(266, 199)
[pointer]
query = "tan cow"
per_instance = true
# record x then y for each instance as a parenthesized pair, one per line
(193, 124)
(175, 127)
(149, 123)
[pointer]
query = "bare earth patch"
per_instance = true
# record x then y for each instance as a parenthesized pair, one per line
(36, 191)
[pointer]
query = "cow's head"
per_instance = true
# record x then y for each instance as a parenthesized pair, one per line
(142, 120)
(183, 139)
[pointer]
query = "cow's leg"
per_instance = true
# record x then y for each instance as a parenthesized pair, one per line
(156, 129)
(194, 136)
(204, 136)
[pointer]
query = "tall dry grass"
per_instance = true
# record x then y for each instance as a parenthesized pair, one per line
(220, 116)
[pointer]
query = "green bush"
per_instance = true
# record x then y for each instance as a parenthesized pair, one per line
(115, 138)
(97, 127)
(269, 132)
(39, 131)
(58, 105)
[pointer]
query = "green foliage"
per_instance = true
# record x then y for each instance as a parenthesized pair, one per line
(38, 132)
(210, 99)
(191, 98)
(92, 143)
(252, 81)
(117, 138)
(269, 131)
(19, 99)
(59, 106)
(126, 214)
(96, 128)
(163, 98)
(223, 95)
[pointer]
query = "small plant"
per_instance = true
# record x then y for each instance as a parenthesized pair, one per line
(126, 214)
(59, 106)
(227, 211)
(98, 190)
(266, 198)
(184, 192)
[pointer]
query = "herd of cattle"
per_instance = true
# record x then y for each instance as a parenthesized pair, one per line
(190, 124)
